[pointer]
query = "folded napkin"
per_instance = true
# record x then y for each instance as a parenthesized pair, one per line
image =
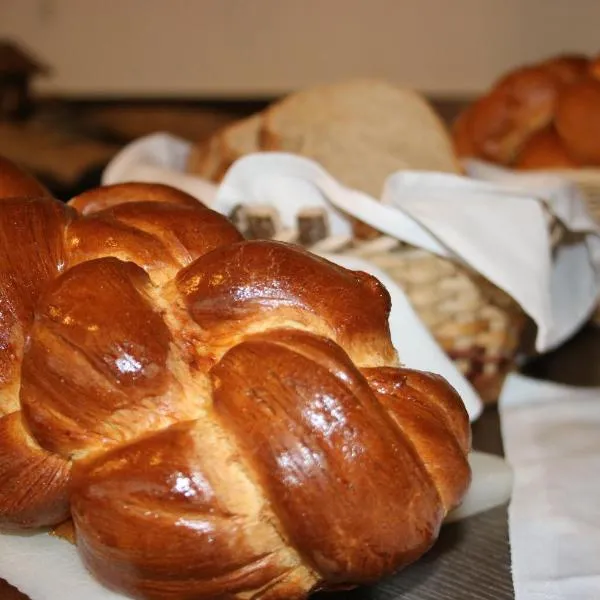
(497, 226)
(552, 441)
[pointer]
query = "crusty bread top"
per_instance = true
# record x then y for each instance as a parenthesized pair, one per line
(16, 182)
(366, 124)
(204, 158)
(351, 156)
(213, 158)
(578, 120)
(242, 136)
(545, 150)
(540, 116)
(360, 130)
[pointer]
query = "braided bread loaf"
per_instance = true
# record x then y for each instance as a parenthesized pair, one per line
(219, 418)
(541, 116)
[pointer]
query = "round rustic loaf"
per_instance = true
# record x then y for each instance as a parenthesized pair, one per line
(219, 418)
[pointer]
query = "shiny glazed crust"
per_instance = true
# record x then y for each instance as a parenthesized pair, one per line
(219, 418)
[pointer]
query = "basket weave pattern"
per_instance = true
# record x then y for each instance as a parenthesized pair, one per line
(477, 324)
(588, 181)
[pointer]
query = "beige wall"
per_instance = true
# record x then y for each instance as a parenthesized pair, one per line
(230, 47)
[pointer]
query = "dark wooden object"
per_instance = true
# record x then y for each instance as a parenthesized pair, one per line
(262, 222)
(312, 226)
(17, 68)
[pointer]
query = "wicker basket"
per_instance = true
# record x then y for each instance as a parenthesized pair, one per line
(588, 181)
(478, 325)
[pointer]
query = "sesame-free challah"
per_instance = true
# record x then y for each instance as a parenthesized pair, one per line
(219, 418)
(541, 116)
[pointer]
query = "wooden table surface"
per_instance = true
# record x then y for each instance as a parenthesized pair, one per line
(471, 560)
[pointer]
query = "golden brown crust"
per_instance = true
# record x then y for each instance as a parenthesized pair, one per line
(65, 531)
(107, 196)
(190, 400)
(464, 146)
(188, 232)
(438, 391)
(257, 283)
(211, 159)
(34, 484)
(569, 68)
(315, 431)
(431, 414)
(100, 235)
(17, 183)
(521, 103)
(161, 234)
(166, 487)
(540, 116)
(578, 121)
(95, 371)
(31, 239)
(545, 150)
(200, 158)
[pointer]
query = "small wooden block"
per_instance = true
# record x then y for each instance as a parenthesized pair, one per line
(312, 226)
(262, 222)
(239, 217)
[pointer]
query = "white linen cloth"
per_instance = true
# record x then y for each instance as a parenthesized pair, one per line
(493, 220)
(551, 439)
